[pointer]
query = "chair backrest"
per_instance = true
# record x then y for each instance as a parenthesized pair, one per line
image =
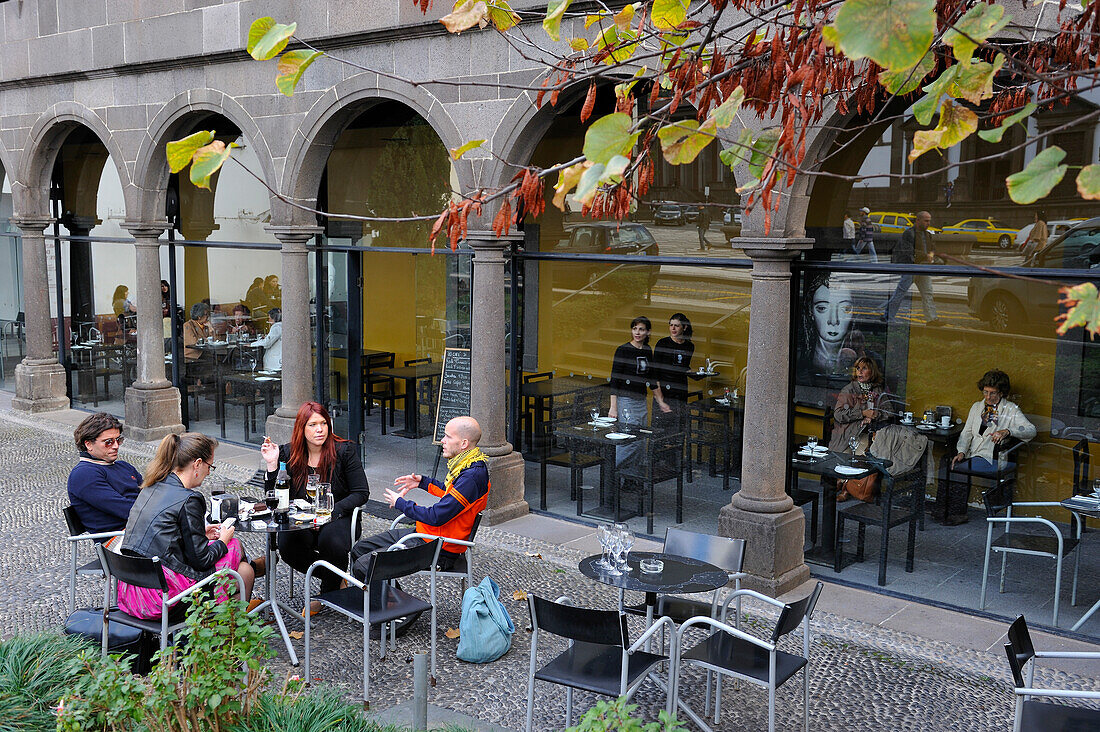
(721, 551)
(586, 625)
(401, 562)
(473, 529)
(998, 497)
(792, 614)
(541, 376)
(379, 361)
(134, 570)
(72, 520)
(1082, 457)
(1019, 649)
(418, 361)
(1008, 445)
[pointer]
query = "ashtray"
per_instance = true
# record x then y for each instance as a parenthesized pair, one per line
(651, 566)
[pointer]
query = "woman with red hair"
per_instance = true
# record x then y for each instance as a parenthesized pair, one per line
(314, 449)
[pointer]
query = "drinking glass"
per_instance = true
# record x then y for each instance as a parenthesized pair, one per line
(626, 541)
(325, 501)
(603, 532)
(624, 416)
(614, 546)
(853, 445)
(595, 414)
(311, 487)
(1096, 487)
(271, 498)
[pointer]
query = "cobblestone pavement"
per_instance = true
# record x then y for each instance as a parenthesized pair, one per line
(862, 677)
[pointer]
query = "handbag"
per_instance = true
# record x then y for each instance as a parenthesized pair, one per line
(139, 645)
(485, 627)
(862, 488)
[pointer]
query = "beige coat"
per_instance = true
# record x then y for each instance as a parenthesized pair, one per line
(1009, 417)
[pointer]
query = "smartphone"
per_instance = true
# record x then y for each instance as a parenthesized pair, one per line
(228, 523)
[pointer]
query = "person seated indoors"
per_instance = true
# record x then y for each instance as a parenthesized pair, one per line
(196, 329)
(102, 488)
(991, 420)
(462, 496)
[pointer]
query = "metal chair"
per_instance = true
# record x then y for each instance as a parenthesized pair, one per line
(358, 602)
(77, 534)
(425, 388)
(379, 388)
(527, 411)
(710, 430)
(563, 416)
(147, 573)
(661, 460)
(998, 500)
(732, 652)
(1035, 716)
(1005, 454)
(900, 502)
(599, 659)
(449, 564)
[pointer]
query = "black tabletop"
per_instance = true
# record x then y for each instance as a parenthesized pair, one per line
(544, 388)
(1083, 505)
(827, 464)
(419, 371)
(270, 527)
(594, 434)
(937, 433)
(680, 574)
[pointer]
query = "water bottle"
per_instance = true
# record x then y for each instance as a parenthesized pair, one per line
(282, 488)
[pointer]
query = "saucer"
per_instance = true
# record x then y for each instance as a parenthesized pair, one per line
(924, 426)
(618, 436)
(907, 423)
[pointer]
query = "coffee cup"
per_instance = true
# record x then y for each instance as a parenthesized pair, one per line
(945, 421)
(908, 416)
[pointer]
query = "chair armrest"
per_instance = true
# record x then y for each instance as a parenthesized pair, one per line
(1036, 503)
(93, 537)
(718, 625)
(429, 537)
(356, 513)
(207, 580)
(1060, 693)
(1068, 654)
(749, 593)
(661, 622)
(402, 519)
(342, 573)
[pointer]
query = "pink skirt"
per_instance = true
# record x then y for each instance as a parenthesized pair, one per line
(144, 603)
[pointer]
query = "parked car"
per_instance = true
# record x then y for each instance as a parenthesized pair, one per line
(691, 214)
(668, 213)
(1011, 304)
(606, 237)
(892, 222)
(985, 231)
(1054, 228)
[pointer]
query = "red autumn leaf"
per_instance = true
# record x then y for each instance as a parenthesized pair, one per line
(589, 102)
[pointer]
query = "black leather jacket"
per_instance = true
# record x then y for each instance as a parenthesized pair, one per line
(169, 521)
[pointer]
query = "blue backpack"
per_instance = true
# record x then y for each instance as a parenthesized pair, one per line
(485, 626)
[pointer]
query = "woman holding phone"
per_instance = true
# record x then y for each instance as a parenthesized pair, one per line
(168, 521)
(314, 450)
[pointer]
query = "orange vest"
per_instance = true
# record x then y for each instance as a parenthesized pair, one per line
(460, 526)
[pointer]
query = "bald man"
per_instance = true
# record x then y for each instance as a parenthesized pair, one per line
(462, 496)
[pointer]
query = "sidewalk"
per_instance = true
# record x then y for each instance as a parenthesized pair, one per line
(878, 662)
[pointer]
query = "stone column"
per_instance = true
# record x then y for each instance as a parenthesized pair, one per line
(39, 378)
(488, 366)
(761, 512)
(152, 403)
(297, 371)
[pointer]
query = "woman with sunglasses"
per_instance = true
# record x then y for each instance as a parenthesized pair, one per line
(168, 521)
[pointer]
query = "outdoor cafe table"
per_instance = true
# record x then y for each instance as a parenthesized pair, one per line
(825, 551)
(272, 530)
(680, 574)
(410, 375)
(1083, 507)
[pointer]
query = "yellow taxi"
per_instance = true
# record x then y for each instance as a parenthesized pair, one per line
(891, 222)
(985, 231)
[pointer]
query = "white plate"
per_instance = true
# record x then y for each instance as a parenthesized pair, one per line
(723, 402)
(618, 436)
(849, 470)
(303, 516)
(819, 450)
(266, 378)
(923, 426)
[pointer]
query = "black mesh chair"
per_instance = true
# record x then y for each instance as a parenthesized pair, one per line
(551, 451)
(385, 605)
(425, 388)
(378, 388)
(599, 659)
(709, 430)
(77, 534)
(1005, 455)
(900, 502)
(661, 460)
(148, 574)
(999, 505)
(1036, 716)
(729, 651)
(527, 409)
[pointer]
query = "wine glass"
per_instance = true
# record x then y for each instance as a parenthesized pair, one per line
(811, 445)
(614, 546)
(311, 487)
(595, 414)
(626, 541)
(853, 445)
(603, 532)
(271, 498)
(624, 416)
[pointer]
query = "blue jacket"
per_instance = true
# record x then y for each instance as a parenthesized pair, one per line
(103, 494)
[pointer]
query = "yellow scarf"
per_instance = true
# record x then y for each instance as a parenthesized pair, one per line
(462, 461)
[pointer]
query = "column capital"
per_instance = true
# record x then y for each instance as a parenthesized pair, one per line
(31, 224)
(146, 229)
(772, 247)
(293, 237)
(487, 239)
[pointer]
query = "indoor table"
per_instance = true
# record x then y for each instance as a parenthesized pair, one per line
(1084, 507)
(410, 375)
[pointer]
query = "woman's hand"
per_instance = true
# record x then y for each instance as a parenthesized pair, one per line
(406, 483)
(999, 435)
(613, 413)
(868, 415)
(664, 407)
(957, 458)
(212, 531)
(225, 534)
(270, 452)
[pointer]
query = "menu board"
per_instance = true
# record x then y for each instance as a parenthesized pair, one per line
(454, 390)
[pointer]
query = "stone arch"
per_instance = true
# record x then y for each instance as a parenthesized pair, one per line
(6, 167)
(31, 183)
(331, 114)
(151, 168)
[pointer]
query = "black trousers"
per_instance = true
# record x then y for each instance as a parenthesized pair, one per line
(331, 542)
(360, 553)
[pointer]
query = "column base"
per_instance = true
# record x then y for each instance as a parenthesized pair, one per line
(39, 387)
(151, 414)
(506, 491)
(278, 428)
(773, 546)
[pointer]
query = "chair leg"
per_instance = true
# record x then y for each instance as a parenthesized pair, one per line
(366, 660)
(569, 706)
(542, 482)
(814, 518)
(1076, 566)
(771, 709)
(838, 552)
(1004, 570)
(912, 548)
(985, 568)
(1057, 588)
(72, 577)
(861, 541)
(883, 550)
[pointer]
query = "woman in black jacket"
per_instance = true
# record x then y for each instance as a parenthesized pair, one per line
(314, 449)
(168, 521)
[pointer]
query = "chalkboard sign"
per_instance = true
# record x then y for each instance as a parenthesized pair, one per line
(454, 390)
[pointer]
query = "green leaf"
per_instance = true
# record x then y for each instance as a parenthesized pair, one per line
(995, 134)
(466, 15)
(668, 14)
(208, 160)
(725, 113)
(613, 173)
(927, 106)
(180, 152)
(681, 142)
(623, 90)
(763, 148)
(555, 9)
(502, 16)
(458, 152)
(588, 184)
(292, 65)
(979, 23)
(908, 80)
(1038, 178)
(955, 125)
(267, 39)
(895, 34)
(974, 80)
(567, 181)
(1082, 304)
(609, 136)
(1088, 182)
(739, 152)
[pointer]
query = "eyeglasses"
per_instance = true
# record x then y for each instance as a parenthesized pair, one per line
(112, 441)
(210, 465)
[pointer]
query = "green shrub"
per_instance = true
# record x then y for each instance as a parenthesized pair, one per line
(35, 671)
(619, 715)
(323, 710)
